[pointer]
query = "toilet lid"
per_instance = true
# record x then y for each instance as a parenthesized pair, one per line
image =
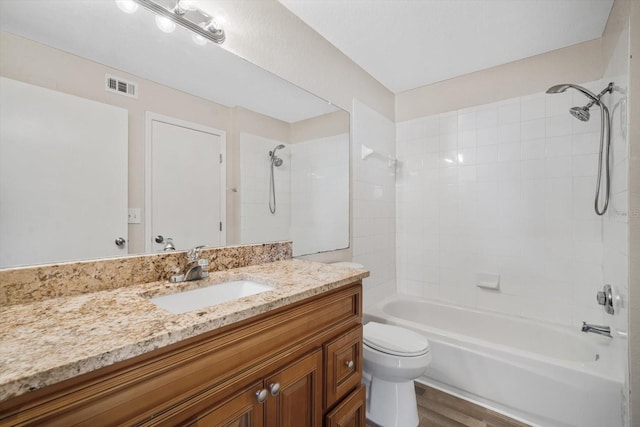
(394, 340)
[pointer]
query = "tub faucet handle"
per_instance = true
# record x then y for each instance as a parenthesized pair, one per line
(605, 298)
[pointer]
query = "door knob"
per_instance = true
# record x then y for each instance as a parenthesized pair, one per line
(120, 242)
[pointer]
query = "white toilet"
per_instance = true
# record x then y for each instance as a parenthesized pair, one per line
(393, 358)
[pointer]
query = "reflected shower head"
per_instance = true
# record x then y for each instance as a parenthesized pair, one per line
(581, 113)
(275, 160)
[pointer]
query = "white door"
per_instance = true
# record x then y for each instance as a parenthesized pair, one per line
(186, 179)
(63, 176)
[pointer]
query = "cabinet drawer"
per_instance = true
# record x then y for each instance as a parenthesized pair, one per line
(343, 365)
(350, 412)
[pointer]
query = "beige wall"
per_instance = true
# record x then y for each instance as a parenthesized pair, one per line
(265, 33)
(578, 63)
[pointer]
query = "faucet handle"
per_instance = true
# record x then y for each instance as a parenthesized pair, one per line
(194, 253)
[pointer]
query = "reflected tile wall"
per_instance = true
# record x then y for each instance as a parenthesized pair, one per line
(504, 188)
(319, 194)
(258, 224)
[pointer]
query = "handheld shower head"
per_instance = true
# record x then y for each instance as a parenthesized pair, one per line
(563, 87)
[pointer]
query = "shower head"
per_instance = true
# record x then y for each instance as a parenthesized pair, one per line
(581, 113)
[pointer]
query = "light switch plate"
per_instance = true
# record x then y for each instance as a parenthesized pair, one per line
(134, 216)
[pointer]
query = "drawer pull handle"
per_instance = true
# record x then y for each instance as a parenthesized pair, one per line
(274, 389)
(261, 395)
(349, 364)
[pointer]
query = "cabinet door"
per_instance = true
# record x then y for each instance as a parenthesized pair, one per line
(295, 394)
(350, 412)
(241, 410)
(343, 365)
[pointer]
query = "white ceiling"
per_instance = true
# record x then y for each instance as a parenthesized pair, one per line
(406, 44)
(99, 31)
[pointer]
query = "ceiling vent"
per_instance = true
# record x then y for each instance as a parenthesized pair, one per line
(120, 86)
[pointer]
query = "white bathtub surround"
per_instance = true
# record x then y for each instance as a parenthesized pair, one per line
(537, 372)
(505, 188)
(374, 198)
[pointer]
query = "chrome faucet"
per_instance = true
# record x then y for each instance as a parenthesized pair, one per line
(596, 329)
(194, 270)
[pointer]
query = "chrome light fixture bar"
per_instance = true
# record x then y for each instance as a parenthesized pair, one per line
(191, 18)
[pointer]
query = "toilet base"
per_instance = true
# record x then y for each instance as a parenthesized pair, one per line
(392, 404)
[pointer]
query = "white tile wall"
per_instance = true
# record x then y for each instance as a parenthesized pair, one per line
(616, 221)
(507, 188)
(374, 198)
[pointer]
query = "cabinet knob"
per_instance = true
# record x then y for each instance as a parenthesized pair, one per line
(120, 242)
(274, 389)
(349, 364)
(261, 395)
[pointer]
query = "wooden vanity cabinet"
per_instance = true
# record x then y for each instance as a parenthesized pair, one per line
(296, 366)
(290, 397)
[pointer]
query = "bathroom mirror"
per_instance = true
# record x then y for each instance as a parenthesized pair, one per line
(75, 47)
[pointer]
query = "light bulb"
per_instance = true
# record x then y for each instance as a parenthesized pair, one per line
(198, 39)
(184, 6)
(187, 4)
(165, 24)
(127, 6)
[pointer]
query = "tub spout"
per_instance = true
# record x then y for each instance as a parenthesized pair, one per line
(596, 329)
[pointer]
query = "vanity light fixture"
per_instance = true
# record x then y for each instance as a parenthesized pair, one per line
(185, 13)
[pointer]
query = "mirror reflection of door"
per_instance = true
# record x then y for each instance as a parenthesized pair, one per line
(63, 176)
(185, 184)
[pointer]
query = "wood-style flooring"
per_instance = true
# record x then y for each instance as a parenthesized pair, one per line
(439, 409)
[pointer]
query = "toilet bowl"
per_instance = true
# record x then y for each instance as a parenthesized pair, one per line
(393, 358)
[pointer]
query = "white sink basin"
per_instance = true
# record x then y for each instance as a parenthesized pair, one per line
(194, 299)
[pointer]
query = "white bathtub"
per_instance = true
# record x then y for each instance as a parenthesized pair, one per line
(538, 373)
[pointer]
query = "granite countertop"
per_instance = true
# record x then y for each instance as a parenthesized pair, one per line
(45, 342)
